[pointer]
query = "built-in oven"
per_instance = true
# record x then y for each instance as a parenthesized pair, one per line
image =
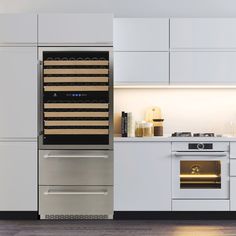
(200, 170)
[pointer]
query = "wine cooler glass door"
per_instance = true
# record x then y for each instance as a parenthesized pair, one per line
(76, 98)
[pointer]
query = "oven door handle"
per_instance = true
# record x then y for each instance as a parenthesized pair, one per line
(75, 156)
(213, 154)
(50, 192)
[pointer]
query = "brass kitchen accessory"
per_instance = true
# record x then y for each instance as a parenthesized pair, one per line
(143, 129)
(147, 129)
(139, 128)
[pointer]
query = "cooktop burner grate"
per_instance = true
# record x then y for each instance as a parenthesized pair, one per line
(203, 135)
(189, 134)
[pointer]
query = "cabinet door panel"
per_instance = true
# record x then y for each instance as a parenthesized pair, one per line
(75, 28)
(203, 68)
(203, 33)
(18, 176)
(142, 176)
(232, 193)
(141, 68)
(18, 92)
(233, 150)
(18, 28)
(141, 34)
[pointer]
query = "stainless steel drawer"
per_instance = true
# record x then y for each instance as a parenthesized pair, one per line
(76, 202)
(75, 167)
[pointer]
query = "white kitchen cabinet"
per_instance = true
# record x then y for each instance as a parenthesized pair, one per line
(141, 34)
(232, 193)
(18, 176)
(142, 176)
(202, 33)
(233, 167)
(18, 28)
(131, 68)
(75, 28)
(18, 92)
(233, 150)
(207, 68)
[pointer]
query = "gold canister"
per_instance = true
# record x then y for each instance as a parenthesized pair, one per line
(147, 129)
(139, 129)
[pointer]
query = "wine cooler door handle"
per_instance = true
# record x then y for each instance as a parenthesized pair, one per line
(40, 95)
(213, 154)
(76, 156)
(50, 192)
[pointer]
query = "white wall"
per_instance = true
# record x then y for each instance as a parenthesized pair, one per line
(127, 8)
(196, 110)
(192, 109)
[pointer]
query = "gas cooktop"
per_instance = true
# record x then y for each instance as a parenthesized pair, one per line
(189, 134)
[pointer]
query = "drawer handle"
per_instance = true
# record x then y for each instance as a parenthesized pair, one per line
(218, 154)
(74, 193)
(75, 156)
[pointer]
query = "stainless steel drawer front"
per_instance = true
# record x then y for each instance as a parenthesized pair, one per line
(75, 202)
(75, 167)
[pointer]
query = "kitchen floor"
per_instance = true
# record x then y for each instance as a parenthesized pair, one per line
(118, 228)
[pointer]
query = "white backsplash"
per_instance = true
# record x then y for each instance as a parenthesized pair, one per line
(184, 109)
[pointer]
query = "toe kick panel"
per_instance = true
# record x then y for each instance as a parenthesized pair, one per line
(200, 205)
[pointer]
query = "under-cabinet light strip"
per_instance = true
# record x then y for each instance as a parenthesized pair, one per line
(175, 86)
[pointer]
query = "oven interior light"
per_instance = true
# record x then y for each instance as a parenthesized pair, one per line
(199, 176)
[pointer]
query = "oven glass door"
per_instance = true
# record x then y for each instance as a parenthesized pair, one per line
(200, 175)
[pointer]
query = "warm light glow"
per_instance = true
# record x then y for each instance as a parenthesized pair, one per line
(152, 86)
(199, 176)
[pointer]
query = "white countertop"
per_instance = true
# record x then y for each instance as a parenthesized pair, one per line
(167, 138)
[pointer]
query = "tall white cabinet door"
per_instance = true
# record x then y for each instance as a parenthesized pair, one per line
(141, 34)
(200, 33)
(18, 92)
(213, 68)
(232, 193)
(18, 176)
(75, 28)
(142, 176)
(141, 68)
(18, 28)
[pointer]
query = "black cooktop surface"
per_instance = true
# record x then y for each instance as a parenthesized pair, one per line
(189, 134)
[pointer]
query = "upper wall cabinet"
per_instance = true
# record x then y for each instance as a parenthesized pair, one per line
(75, 29)
(141, 34)
(203, 68)
(18, 28)
(141, 68)
(202, 33)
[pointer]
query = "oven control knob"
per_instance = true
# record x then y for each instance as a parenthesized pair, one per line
(200, 146)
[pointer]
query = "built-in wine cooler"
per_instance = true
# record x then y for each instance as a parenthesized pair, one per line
(75, 138)
(76, 98)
